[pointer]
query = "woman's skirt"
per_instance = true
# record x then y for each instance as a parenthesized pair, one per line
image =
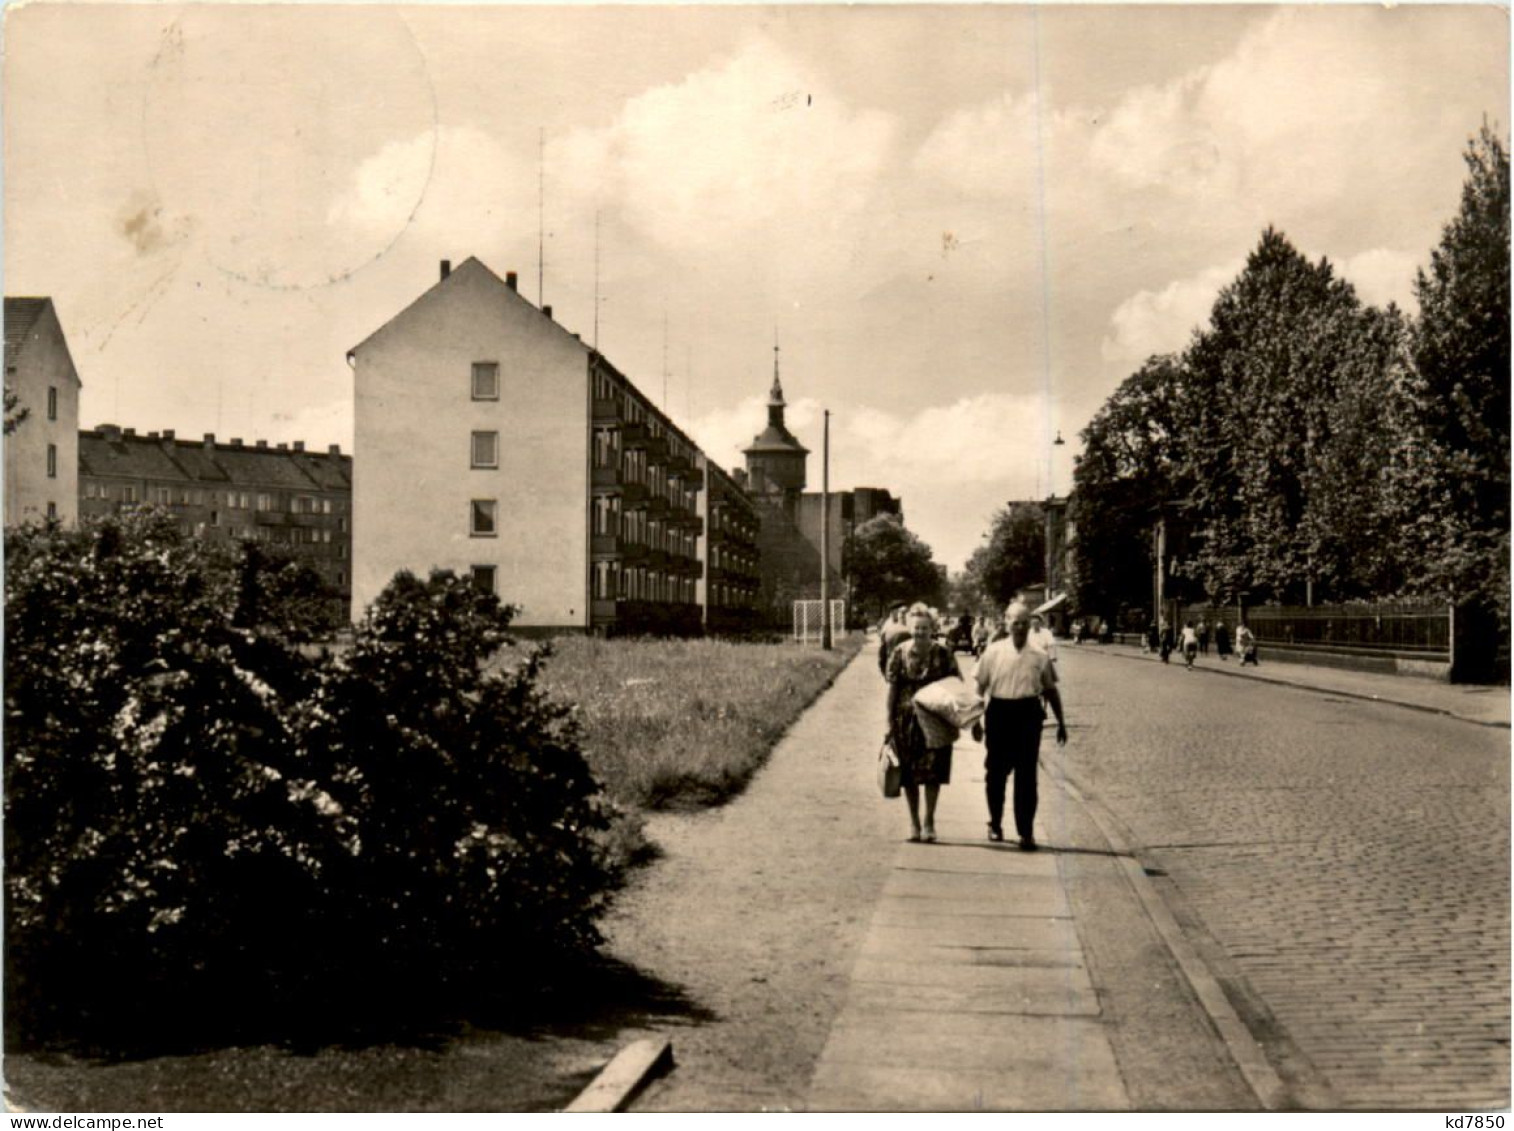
(920, 764)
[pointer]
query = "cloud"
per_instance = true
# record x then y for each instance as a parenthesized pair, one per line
(1383, 275)
(985, 151)
(747, 148)
(1153, 322)
(386, 187)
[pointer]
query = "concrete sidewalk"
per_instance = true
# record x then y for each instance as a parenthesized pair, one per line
(971, 991)
(1472, 703)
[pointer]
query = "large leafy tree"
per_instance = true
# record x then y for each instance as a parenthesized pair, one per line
(1124, 481)
(1012, 554)
(1265, 372)
(1459, 475)
(886, 563)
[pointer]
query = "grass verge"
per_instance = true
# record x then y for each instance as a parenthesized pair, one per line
(685, 723)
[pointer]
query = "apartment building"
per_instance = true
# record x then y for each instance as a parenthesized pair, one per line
(281, 495)
(497, 444)
(734, 583)
(41, 453)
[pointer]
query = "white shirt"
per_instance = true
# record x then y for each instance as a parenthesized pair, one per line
(1043, 639)
(1005, 672)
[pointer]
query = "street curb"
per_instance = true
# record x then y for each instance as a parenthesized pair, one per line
(1257, 676)
(1244, 1050)
(627, 1073)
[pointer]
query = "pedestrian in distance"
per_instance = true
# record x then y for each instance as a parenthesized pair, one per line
(1245, 645)
(893, 631)
(918, 661)
(1041, 637)
(1222, 640)
(1190, 645)
(1016, 678)
(1203, 637)
(1166, 641)
(980, 635)
(1150, 641)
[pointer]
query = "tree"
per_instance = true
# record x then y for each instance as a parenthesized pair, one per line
(1460, 386)
(886, 564)
(1124, 481)
(1012, 554)
(1264, 374)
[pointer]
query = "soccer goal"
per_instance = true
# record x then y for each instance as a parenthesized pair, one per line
(807, 616)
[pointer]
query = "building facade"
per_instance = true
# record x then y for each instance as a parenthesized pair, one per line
(42, 453)
(734, 575)
(498, 445)
(230, 492)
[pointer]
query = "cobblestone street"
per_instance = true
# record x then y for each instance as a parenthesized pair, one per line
(1344, 865)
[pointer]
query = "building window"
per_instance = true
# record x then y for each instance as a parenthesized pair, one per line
(52, 510)
(52, 461)
(52, 402)
(265, 502)
(483, 524)
(129, 494)
(483, 578)
(162, 495)
(486, 380)
(486, 449)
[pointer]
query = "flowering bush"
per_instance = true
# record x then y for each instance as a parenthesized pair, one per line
(207, 831)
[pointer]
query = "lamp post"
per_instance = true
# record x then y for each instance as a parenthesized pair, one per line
(825, 538)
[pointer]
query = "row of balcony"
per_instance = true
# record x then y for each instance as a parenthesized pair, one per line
(607, 414)
(635, 494)
(640, 554)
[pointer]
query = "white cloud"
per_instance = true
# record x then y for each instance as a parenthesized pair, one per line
(987, 151)
(1153, 322)
(748, 148)
(1383, 275)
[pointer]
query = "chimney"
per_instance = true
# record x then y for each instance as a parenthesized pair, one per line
(210, 440)
(110, 431)
(262, 445)
(283, 447)
(129, 433)
(168, 434)
(299, 445)
(547, 310)
(446, 267)
(236, 441)
(334, 450)
(152, 435)
(510, 279)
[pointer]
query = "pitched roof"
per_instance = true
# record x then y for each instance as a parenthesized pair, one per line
(21, 315)
(109, 452)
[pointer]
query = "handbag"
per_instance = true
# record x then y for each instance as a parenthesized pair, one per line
(888, 770)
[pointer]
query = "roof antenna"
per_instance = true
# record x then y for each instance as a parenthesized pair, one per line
(596, 280)
(664, 361)
(541, 180)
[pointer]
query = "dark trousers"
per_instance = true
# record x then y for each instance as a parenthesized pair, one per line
(1012, 736)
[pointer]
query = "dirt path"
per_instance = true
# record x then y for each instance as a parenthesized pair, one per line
(757, 910)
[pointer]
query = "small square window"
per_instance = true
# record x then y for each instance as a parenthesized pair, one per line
(484, 518)
(483, 578)
(486, 449)
(486, 380)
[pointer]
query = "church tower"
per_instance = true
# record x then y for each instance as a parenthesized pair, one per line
(775, 460)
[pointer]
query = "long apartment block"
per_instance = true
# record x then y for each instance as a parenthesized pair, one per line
(498, 445)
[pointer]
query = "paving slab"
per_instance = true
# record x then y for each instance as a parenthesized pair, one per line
(970, 991)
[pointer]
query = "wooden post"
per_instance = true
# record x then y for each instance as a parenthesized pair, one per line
(825, 538)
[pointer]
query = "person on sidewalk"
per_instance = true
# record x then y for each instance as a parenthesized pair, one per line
(1245, 644)
(1203, 638)
(893, 631)
(918, 661)
(1222, 640)
(1041, 637)
(1015, 677)
(1167, 641)
(1190, 645)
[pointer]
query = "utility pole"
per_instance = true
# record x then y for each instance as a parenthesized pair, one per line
(1161, 557)
(825, 538)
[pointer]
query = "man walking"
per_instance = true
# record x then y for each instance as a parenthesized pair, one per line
(893, 632)
(1015, 677)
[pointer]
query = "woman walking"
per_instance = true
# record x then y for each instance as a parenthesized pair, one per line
(913, 664)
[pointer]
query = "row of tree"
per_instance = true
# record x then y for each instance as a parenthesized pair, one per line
(1306, 444)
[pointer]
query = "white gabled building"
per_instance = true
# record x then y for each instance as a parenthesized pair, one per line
(42, 454)
(491, 441)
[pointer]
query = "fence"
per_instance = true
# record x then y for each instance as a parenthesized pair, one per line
(807, 620)
(1401, 627)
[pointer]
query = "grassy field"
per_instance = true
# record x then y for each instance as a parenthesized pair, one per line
(685, 723)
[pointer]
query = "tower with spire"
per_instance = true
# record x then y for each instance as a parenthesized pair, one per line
(775, 459)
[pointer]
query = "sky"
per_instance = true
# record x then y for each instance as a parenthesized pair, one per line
(963, 226)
